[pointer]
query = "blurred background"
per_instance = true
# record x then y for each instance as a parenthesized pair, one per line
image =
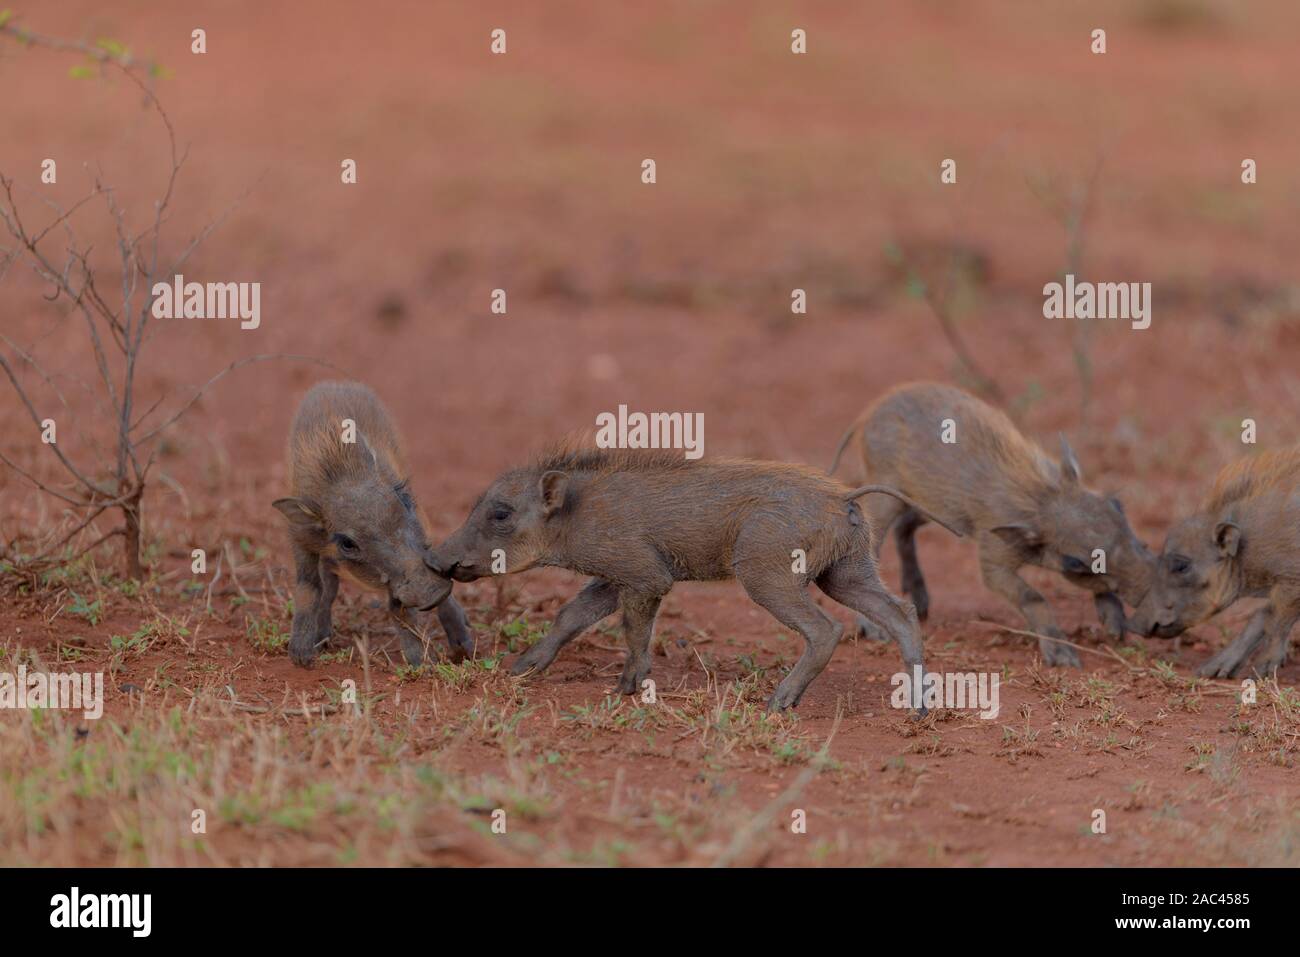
(775, 171)
(522, 172)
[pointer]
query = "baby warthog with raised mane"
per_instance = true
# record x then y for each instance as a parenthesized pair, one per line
(1244, 542)
(966, 461)
(351, 511)
(638, 521)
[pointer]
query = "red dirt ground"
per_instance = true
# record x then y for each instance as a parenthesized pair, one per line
(775, 171)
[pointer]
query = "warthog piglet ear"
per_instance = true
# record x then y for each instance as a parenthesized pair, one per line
(301, 513)
(552, 486)
(1071, 474)
(1019, 534)
(1228, 537)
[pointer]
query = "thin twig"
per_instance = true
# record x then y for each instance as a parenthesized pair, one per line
(746, 834)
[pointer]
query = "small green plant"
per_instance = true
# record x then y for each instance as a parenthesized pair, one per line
(463, 675)
(521, 634)
(135, 642)
(91, 611)
(249, 552)
(266, 635)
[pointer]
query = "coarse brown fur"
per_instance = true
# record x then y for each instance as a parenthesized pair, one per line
(991, 482)
(1244, 541)
(639, 521)
(351, 511)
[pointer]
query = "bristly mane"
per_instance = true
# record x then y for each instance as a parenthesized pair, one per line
(325, 459)
(1268, 471)
(577, 454)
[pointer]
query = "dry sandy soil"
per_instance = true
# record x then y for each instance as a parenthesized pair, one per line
(775, 171)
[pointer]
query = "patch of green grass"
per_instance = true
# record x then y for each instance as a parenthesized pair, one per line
(463, 675)
(521, 634)
(267, 635)
(90, 611)
(135, 642)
